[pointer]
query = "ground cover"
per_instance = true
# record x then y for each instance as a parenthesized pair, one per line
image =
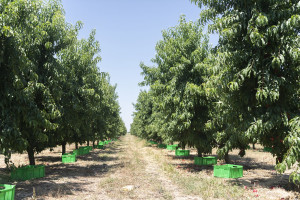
(131, 168)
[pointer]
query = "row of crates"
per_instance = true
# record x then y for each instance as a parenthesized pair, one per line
(7, 192)
(223, 171)
(71, 157)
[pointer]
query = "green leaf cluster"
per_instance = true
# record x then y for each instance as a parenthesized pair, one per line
(51, 91)
(256, 75)
(245, 90)
(176, 107)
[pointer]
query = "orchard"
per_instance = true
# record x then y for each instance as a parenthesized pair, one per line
(60, 115)
(52, 92)
(243, 91)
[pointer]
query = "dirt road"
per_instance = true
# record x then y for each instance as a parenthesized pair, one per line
(125, 169)
(131, 169)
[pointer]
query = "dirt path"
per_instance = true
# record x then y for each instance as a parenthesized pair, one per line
(125, 169)
(155, 169)
(129, 169)
(142, 174)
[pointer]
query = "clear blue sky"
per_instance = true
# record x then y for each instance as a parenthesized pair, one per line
(128, 32)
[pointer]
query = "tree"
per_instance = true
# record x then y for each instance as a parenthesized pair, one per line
(37, 31)
(143, 124)
(51, 88)
(258, 74)
(178, 85)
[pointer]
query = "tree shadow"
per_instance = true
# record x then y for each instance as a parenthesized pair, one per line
(250, 163)
(112, 150)
(260, 174)
(55, 158)
(270, 182)
(191, 167)
(174, 157)
(65, 179)
(99, 158)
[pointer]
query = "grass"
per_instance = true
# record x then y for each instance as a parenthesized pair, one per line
(198, 183)
(132, 172)
(154, 173)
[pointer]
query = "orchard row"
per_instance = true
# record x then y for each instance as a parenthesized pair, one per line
(243, 91)
(51, 90)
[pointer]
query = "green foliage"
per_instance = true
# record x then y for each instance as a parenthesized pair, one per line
(143, 125)
(51, 90)
(256, 77)
(176, 107)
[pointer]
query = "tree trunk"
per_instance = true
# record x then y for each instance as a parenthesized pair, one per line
(182, 145)
(226, 157)
(199, 152)
(253, 145)
(93, 142)
(88, 143)
(63, 148)
(30, 153)
(278, 159)
(76, 145)
(97, 142)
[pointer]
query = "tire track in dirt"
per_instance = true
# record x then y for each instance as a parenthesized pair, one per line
(154, 168)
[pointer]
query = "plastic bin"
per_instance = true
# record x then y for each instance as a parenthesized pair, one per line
(28, 172)
(75, 151)
(39, 171)
(90, 148)
(68, 158)
(163, 146)
(181, 152)
(210, 160)
(7, 192)
(99, 146)
(228, 171)
(172, 147)
(83, 150)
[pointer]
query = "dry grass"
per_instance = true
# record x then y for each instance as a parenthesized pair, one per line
(198, 184)
(133, 173)
(199, 180)
(154, 173)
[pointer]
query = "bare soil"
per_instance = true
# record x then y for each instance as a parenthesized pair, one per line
(259, 176)
(131, 169)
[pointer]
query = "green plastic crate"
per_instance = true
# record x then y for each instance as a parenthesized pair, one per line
(68, 158)
(210, 160)
(7, 192)
(181, 152)
(163, 146)
(98, 146)
(268, 149)
(172, 147)
(101, 143)
(228, 171)
(39, 171)
(83, 151)
(90, 148)
(75, 151)
(28, 172)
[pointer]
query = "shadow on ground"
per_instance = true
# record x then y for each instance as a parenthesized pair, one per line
(271, 180)
(57, 182)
